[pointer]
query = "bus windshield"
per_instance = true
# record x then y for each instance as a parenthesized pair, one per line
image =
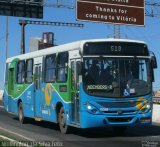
(116, 77)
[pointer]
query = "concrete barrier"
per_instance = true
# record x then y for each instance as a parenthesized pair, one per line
(156, 114)
(1, 97)
(1, 94)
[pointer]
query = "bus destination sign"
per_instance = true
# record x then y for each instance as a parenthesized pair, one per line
(129, 12)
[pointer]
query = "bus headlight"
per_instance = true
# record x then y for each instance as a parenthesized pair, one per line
(89, 107)
(145, 108)
(92, 109)
(148, 105)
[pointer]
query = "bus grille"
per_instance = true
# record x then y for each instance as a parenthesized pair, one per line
(119, 104)
(123, 112)
(116, 120)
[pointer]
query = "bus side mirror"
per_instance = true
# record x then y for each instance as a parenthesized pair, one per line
(153, 62)
(79, 68)
(153, 66)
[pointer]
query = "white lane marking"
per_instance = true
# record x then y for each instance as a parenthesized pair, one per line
(6, 138)
(154, 136)
(14, 142)
(29, 139)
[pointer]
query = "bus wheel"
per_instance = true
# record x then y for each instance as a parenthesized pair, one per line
(20, 113)
(62, 121)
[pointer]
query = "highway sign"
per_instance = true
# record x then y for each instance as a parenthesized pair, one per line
(129, 13)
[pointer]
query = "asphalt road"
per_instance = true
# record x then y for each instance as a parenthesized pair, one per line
(45, 131)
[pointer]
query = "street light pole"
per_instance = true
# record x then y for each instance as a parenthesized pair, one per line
(6, 37)
(23, 24)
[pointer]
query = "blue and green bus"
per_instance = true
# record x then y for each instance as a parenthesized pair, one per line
(84, 84)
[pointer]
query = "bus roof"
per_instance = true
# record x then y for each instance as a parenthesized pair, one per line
(67, 47)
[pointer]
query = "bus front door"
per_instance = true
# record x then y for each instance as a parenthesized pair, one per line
(37, 83)
(74, 92)
(11, 88)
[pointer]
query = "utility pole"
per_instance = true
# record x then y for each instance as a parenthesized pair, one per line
(6, 37)
(23, 24)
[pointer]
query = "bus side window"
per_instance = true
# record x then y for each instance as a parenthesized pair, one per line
(50, 68)
(29, 71)
(62, 62)
(20, 72)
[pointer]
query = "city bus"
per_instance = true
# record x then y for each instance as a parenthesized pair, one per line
(84, 84)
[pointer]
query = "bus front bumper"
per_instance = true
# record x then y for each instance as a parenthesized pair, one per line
(89, 120)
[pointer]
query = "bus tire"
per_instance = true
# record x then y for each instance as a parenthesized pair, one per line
(21, 113)
(62, 121)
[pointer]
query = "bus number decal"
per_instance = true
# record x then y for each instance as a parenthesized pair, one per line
(99, 87)
(116, 48)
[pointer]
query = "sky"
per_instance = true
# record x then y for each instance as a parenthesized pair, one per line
(150, 33)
